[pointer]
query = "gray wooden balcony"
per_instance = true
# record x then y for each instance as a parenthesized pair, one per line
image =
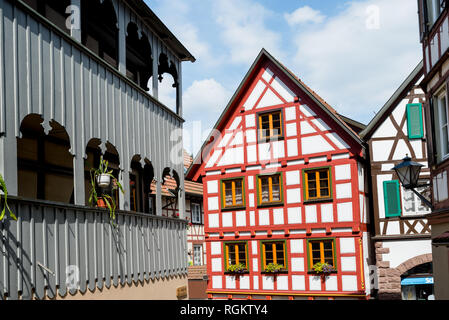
(43, 251)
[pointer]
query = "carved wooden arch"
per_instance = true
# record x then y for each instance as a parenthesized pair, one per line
(166, 66)
(51, 127)
(138, 44)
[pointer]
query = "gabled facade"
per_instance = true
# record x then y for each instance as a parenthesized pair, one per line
(401, 230)
(284, 186)
(434, 35)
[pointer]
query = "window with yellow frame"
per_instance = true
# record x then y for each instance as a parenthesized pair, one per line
(317, 184)
(321, 251)
(270, 126)
(236, 253)
(274, 252)
(233, 193)
(269, 189)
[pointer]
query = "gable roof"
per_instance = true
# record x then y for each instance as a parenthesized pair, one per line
(264, 55)
(389, 106)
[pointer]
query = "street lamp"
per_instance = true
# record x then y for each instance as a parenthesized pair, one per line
(408, 173)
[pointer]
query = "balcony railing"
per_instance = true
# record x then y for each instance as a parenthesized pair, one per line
(56, 249)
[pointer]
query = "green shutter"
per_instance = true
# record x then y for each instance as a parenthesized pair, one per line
(392, 198)
(415, 121)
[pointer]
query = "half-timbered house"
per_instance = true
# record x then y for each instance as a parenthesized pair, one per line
(401, 230)
(79, 80)
(284, 191)
(434, 35)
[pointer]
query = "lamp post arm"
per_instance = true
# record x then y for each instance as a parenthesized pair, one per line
(423, 199)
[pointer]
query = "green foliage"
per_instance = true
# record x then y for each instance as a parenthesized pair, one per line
(5, 200)
(274, 268)
(237, 268)
(107, 198)
(323, 268)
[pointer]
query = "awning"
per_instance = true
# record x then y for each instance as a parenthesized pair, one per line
(416, 281)
(441, 239)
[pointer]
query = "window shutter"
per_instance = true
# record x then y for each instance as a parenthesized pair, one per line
(415, 121)
(392, 198)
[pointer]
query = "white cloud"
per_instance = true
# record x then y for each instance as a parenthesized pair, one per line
(203, 103)
(304, 15)
(244, 29)
(205, 96)
(355, 65)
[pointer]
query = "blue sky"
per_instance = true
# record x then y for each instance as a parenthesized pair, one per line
(354, 54)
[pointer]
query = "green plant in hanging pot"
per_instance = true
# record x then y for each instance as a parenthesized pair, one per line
(101, 179)
(5, 200)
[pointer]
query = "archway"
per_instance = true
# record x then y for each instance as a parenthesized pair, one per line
(100, 31)
(139, 59)
(45, 165)
(140, 179)
(95, 150)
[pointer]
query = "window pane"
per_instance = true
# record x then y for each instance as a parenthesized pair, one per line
(242, 253)
(231, 251)
(238, 192)
(265, 189)
(323, 175)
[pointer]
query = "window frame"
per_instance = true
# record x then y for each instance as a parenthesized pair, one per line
(263, 263)
(442, 94)
(259, 190)
(223, 195)
(272, 137)
(192, 204)
(200, 254)
(306, 186)
(310, 252)
(226, 255)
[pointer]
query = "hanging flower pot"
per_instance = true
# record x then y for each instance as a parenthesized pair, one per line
(101, 203)
(103, 180)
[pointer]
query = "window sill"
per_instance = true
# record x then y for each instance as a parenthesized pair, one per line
(274, 273)
(311, 272)
(229, 273)
(270, 205)
(234, 208)
(318, 200)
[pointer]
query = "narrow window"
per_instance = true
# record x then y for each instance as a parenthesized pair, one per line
(196, 213)
(442, 123)
(270, 189)
(236, 254)
(321, 251)
(233, 193)
(273, 252)
(270, 126)
(317, 184)
(197, 253)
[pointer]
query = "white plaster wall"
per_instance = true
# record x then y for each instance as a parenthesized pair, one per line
(401, 251)
(380, 192)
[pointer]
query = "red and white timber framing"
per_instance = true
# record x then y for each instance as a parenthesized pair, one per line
(312, 139)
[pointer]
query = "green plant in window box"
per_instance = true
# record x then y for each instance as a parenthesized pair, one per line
(103, 199)
(5, 200)
(237, 268)
(274, 268)
(323, 268)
